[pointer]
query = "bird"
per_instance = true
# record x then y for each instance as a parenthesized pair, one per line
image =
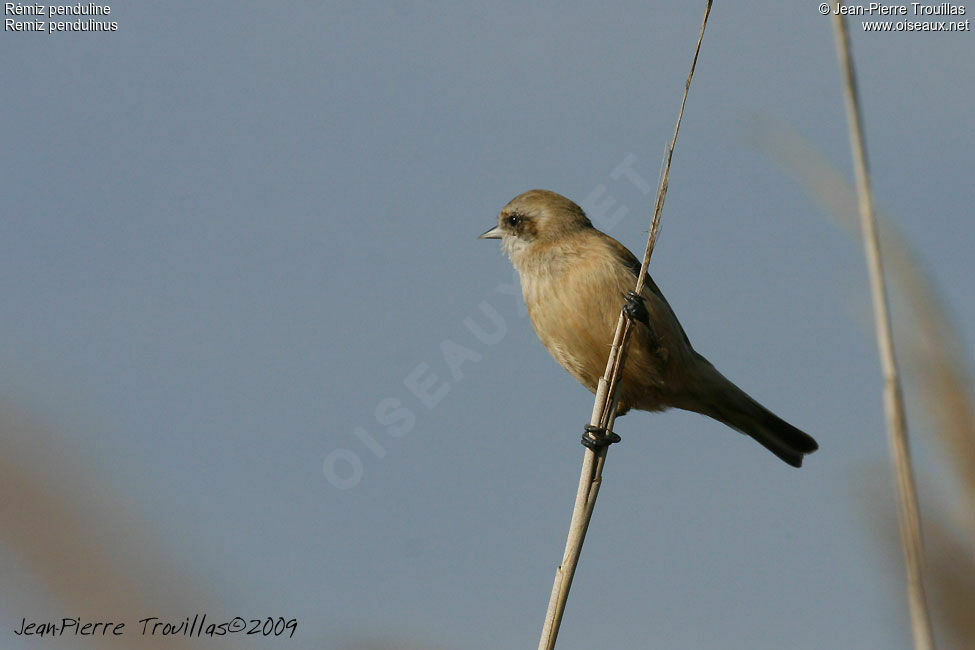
(574, 279)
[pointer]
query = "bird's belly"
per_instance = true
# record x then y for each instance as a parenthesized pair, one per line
(573, 331)
(575, 346)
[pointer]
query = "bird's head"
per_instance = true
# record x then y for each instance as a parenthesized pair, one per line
(535, 219)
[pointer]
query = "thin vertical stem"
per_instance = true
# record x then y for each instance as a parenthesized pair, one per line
(604, 408)
(908, 511)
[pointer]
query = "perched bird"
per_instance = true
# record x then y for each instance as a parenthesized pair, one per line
(575, 278)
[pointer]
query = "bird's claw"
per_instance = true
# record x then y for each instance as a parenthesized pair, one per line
(596, 437)
(635, 309)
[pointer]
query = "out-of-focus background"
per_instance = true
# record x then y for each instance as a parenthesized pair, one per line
(255, 362)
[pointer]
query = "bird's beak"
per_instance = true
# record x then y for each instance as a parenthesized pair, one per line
(493, 233)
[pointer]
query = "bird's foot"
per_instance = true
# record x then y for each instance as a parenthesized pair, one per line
(596, 437)
(635, 309)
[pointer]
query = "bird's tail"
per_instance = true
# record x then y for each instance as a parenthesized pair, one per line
(734, 407)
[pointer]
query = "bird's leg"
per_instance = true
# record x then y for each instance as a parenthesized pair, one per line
(596, 437)
(636, 310)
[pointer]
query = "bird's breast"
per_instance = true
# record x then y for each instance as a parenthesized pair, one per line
(574, 311)
(574, 300)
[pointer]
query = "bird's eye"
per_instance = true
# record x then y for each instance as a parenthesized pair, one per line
(513, 220)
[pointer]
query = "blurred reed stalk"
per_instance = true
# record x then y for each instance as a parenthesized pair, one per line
(933, 344)
(604, 407)
(908, 511)
(81, 544)
(935, 354)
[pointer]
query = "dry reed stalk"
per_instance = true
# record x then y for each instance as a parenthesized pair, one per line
(604, 406)
(908, 510)
(935, 352)
(943, 374)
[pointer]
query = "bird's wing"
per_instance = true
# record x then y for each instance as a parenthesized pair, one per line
(630, 261)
